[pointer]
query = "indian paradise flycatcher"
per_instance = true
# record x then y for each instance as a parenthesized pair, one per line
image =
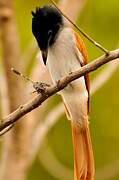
(64, 52)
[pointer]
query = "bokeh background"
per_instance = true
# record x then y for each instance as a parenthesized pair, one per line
(40, 146)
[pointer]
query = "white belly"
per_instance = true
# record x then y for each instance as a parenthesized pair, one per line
(61, 61)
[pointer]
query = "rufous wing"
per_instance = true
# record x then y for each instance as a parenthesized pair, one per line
(82, 48)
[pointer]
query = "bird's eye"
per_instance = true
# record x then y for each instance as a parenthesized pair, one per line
(49, 33)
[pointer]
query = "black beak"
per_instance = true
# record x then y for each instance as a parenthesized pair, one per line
(44, 55)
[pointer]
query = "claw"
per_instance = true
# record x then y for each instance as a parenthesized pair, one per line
(40, 87)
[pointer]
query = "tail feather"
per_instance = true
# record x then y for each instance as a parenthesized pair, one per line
(83, 154)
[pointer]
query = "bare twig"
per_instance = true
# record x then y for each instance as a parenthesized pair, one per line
(24, 109)
(81, 31)
(22, 75)
(72, 8)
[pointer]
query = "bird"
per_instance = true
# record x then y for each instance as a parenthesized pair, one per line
(63, 52)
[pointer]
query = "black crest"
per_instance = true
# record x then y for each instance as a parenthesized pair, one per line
(46, 23)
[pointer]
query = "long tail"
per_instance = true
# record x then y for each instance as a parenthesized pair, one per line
(83, 153)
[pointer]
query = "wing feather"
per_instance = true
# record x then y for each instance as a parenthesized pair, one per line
(82, 48)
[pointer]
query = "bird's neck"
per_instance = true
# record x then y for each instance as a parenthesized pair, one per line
(63, 38)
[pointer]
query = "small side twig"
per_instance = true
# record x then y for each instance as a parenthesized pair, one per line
(39, 87)
(22, 75)
(81, 31)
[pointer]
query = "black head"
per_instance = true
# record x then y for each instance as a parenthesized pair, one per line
(46, 23)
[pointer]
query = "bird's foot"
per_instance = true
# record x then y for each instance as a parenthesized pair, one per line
(40, 87)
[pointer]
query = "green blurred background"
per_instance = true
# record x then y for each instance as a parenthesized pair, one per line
(100, 19)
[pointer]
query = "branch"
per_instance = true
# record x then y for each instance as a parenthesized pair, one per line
(37, 101)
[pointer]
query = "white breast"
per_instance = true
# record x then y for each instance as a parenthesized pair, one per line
(61, 55)
(62, 59)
